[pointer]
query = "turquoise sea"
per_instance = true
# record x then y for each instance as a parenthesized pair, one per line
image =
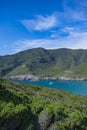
(77, 87)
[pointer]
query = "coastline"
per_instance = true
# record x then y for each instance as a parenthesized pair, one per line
(31, 77)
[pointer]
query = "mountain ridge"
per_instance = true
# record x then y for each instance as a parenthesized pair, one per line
(45, 62)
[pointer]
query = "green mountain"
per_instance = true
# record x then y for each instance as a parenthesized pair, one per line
(30, 107)
(77, 71)
(42, 62)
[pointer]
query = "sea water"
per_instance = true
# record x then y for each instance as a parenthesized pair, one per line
(77, 87)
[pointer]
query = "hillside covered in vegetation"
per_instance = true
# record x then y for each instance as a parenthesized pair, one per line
(46, 63)
(30, 107)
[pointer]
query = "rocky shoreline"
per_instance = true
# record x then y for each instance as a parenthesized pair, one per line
(29, 77)
(77, 79)
(32, 77)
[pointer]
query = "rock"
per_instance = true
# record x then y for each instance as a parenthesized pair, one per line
(24, 77)
(77, 79)
(45, 119)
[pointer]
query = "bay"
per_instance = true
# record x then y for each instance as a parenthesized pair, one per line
(77, 87)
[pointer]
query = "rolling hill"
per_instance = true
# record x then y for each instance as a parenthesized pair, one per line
(45, 63)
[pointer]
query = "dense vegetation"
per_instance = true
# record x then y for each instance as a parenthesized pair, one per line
(30, 107)
(42, 62)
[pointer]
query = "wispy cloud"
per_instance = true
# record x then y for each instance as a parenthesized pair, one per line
(67, 29)
(41, 22)
(75, 9)
(75, 40)
(69, 16)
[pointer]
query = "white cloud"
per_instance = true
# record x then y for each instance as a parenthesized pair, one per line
(76, 11)
(41, 22)
(76, 40)
(75, 35)
(75, 15)
(68, 29)
(69, 16)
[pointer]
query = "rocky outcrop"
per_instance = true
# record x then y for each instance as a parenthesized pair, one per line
(32, 77)
(67, 78)
(25, 77)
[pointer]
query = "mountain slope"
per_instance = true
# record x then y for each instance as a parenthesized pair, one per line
(30, 107)
(79, 71)
(42, 62)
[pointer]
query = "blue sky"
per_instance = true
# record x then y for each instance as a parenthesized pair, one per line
(51, 24)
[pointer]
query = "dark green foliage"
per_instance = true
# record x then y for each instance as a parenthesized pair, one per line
(42, 62)
(30, 107)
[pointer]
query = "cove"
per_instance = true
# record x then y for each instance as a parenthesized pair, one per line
(77, 87)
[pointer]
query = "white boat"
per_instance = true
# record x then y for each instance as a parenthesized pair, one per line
(50, 83)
